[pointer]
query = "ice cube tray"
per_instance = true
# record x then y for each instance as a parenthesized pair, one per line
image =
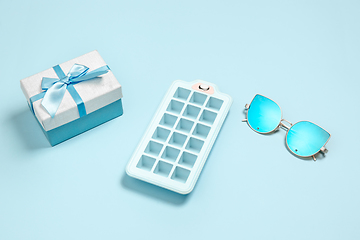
(178, 140)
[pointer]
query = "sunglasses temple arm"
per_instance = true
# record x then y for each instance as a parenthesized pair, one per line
(246, 108)
(323, 150)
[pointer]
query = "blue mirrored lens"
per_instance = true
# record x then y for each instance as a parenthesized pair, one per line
(306, 139)
(264, 115)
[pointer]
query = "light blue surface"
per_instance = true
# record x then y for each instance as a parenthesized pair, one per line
(264, 115)
(306, 138)
(303, 54)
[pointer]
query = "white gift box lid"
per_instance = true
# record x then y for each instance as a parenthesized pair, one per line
(95, 93)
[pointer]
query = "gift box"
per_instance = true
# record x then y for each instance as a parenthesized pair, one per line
(73, 97)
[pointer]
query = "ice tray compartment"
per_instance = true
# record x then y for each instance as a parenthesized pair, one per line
(175, 106)
(191, 111)
(187, 159)
(175, 147)
(208, 117)
(163, 168)
(168, 120)
(214, 103)
(170, 153)
(201, 130)
(182, 93)
(146, 163)
(161, 134)
(153, 148)
(180, 174)
(177, 139)
(194, 145)
(198, 98)
(184, 125)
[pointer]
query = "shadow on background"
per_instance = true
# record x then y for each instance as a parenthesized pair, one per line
(28, 129)
(153, 191)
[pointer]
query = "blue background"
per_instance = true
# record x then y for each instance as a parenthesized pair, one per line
(305, 55)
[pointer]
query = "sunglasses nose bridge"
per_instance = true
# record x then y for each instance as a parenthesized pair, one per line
(284, 125)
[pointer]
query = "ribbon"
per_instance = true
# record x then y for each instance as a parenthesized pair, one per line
(55, 88)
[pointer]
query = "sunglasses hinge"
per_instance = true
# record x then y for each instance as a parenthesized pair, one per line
(323, 150)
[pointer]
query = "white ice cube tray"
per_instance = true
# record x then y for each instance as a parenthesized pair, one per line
(176, 144)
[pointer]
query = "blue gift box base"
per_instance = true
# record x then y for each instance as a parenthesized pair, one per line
(80, 125)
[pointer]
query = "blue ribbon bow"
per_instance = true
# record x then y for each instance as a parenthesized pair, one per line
(55, 88)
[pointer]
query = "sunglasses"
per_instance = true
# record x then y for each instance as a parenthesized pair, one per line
(304, 138)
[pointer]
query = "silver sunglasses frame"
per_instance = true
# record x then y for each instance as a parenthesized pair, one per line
(281, 124)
